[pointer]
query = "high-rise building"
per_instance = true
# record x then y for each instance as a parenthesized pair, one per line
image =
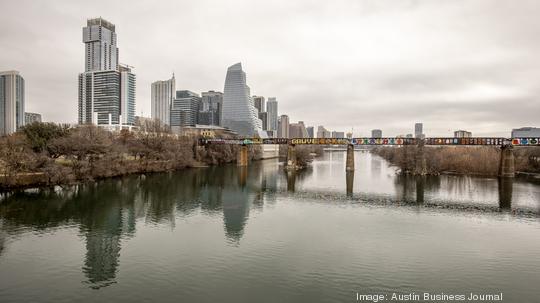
(264, 119)
(298, 130)
(323, 132)
(376, 133)
(311, 131)
(418, 131)
(258, 102)
(30, 118)
(238, 112)
(11, 102)
(210, 112)
(185, 109)
(272, 110)
(283, 127)
(163, 93)
(106, 88)
(462, 134)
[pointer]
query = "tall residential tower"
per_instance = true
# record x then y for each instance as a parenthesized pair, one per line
(11, 102)
(163, 93)
(106, 88)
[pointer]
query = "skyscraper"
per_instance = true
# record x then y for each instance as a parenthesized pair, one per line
(298, 130)
(163, 93)
(272, 110)
(418, 130)
(283, 129)
(11, 102)
(210, 112)
(258, 102)
(264, 120)
(106, 89)
(238, 113)
(323, 132)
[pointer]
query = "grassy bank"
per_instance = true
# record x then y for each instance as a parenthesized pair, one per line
(46, 154)
(472, 160)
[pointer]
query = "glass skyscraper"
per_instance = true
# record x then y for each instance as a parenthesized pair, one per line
(238, 112)
(11, 102)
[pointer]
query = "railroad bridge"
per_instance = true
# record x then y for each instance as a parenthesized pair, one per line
(506, 145)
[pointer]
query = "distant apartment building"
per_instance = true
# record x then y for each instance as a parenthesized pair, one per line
(376, 133)
(162, 95)
(106, 88)
(526, 132)
(336, 134)
(30, 118)
(283, 129)
(310, 131)
(258, 102)
(210, 111)
(419, 131)
(323, 132)
(185, 109)
(12, 102)
(462, 134)
(408, 136)
(272, 110)
(298, 130)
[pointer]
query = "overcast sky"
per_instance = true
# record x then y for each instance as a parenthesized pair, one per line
(343, 64)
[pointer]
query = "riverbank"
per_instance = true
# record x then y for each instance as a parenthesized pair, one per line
(478, 160)
(47, 154)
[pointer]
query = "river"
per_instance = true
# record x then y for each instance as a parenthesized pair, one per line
(229, 234)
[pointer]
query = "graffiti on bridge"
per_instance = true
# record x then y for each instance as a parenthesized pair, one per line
(377, 141)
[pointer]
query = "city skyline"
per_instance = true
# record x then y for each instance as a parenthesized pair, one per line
(484, 84)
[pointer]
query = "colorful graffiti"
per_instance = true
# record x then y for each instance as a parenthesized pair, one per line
(377, 141)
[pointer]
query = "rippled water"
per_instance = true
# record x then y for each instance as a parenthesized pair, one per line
(227, 234)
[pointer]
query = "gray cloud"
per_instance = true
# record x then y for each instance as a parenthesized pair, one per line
(344, 64)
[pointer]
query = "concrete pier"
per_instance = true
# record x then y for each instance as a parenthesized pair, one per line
(505, 192)
(350, 158)
(242, 159)
(291, 157)
(420, 160)
(349, 182)
(507, 165)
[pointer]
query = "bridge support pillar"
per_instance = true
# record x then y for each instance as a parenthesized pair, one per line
(506, 165)
(242, 158)
(291, 157)
(349, 182)
(349, 166)
(420, 160)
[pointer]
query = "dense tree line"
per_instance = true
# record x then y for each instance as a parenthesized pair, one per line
(478, 160)
(50, 154)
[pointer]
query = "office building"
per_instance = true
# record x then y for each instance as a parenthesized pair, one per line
(162, 95)
(310, 131)
(106, 88)
(30, 118)
(323, 132)
(336, 134)
(238, 112)
(419, 131)
(210, 111)
(462, 134)
(12, 102)
(376, 133)
(272, 110)
(526, 132)
(283, 127)
(298, 130)
(184, 109)
(258, 102)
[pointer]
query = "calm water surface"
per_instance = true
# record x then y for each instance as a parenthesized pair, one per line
(227, 234)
